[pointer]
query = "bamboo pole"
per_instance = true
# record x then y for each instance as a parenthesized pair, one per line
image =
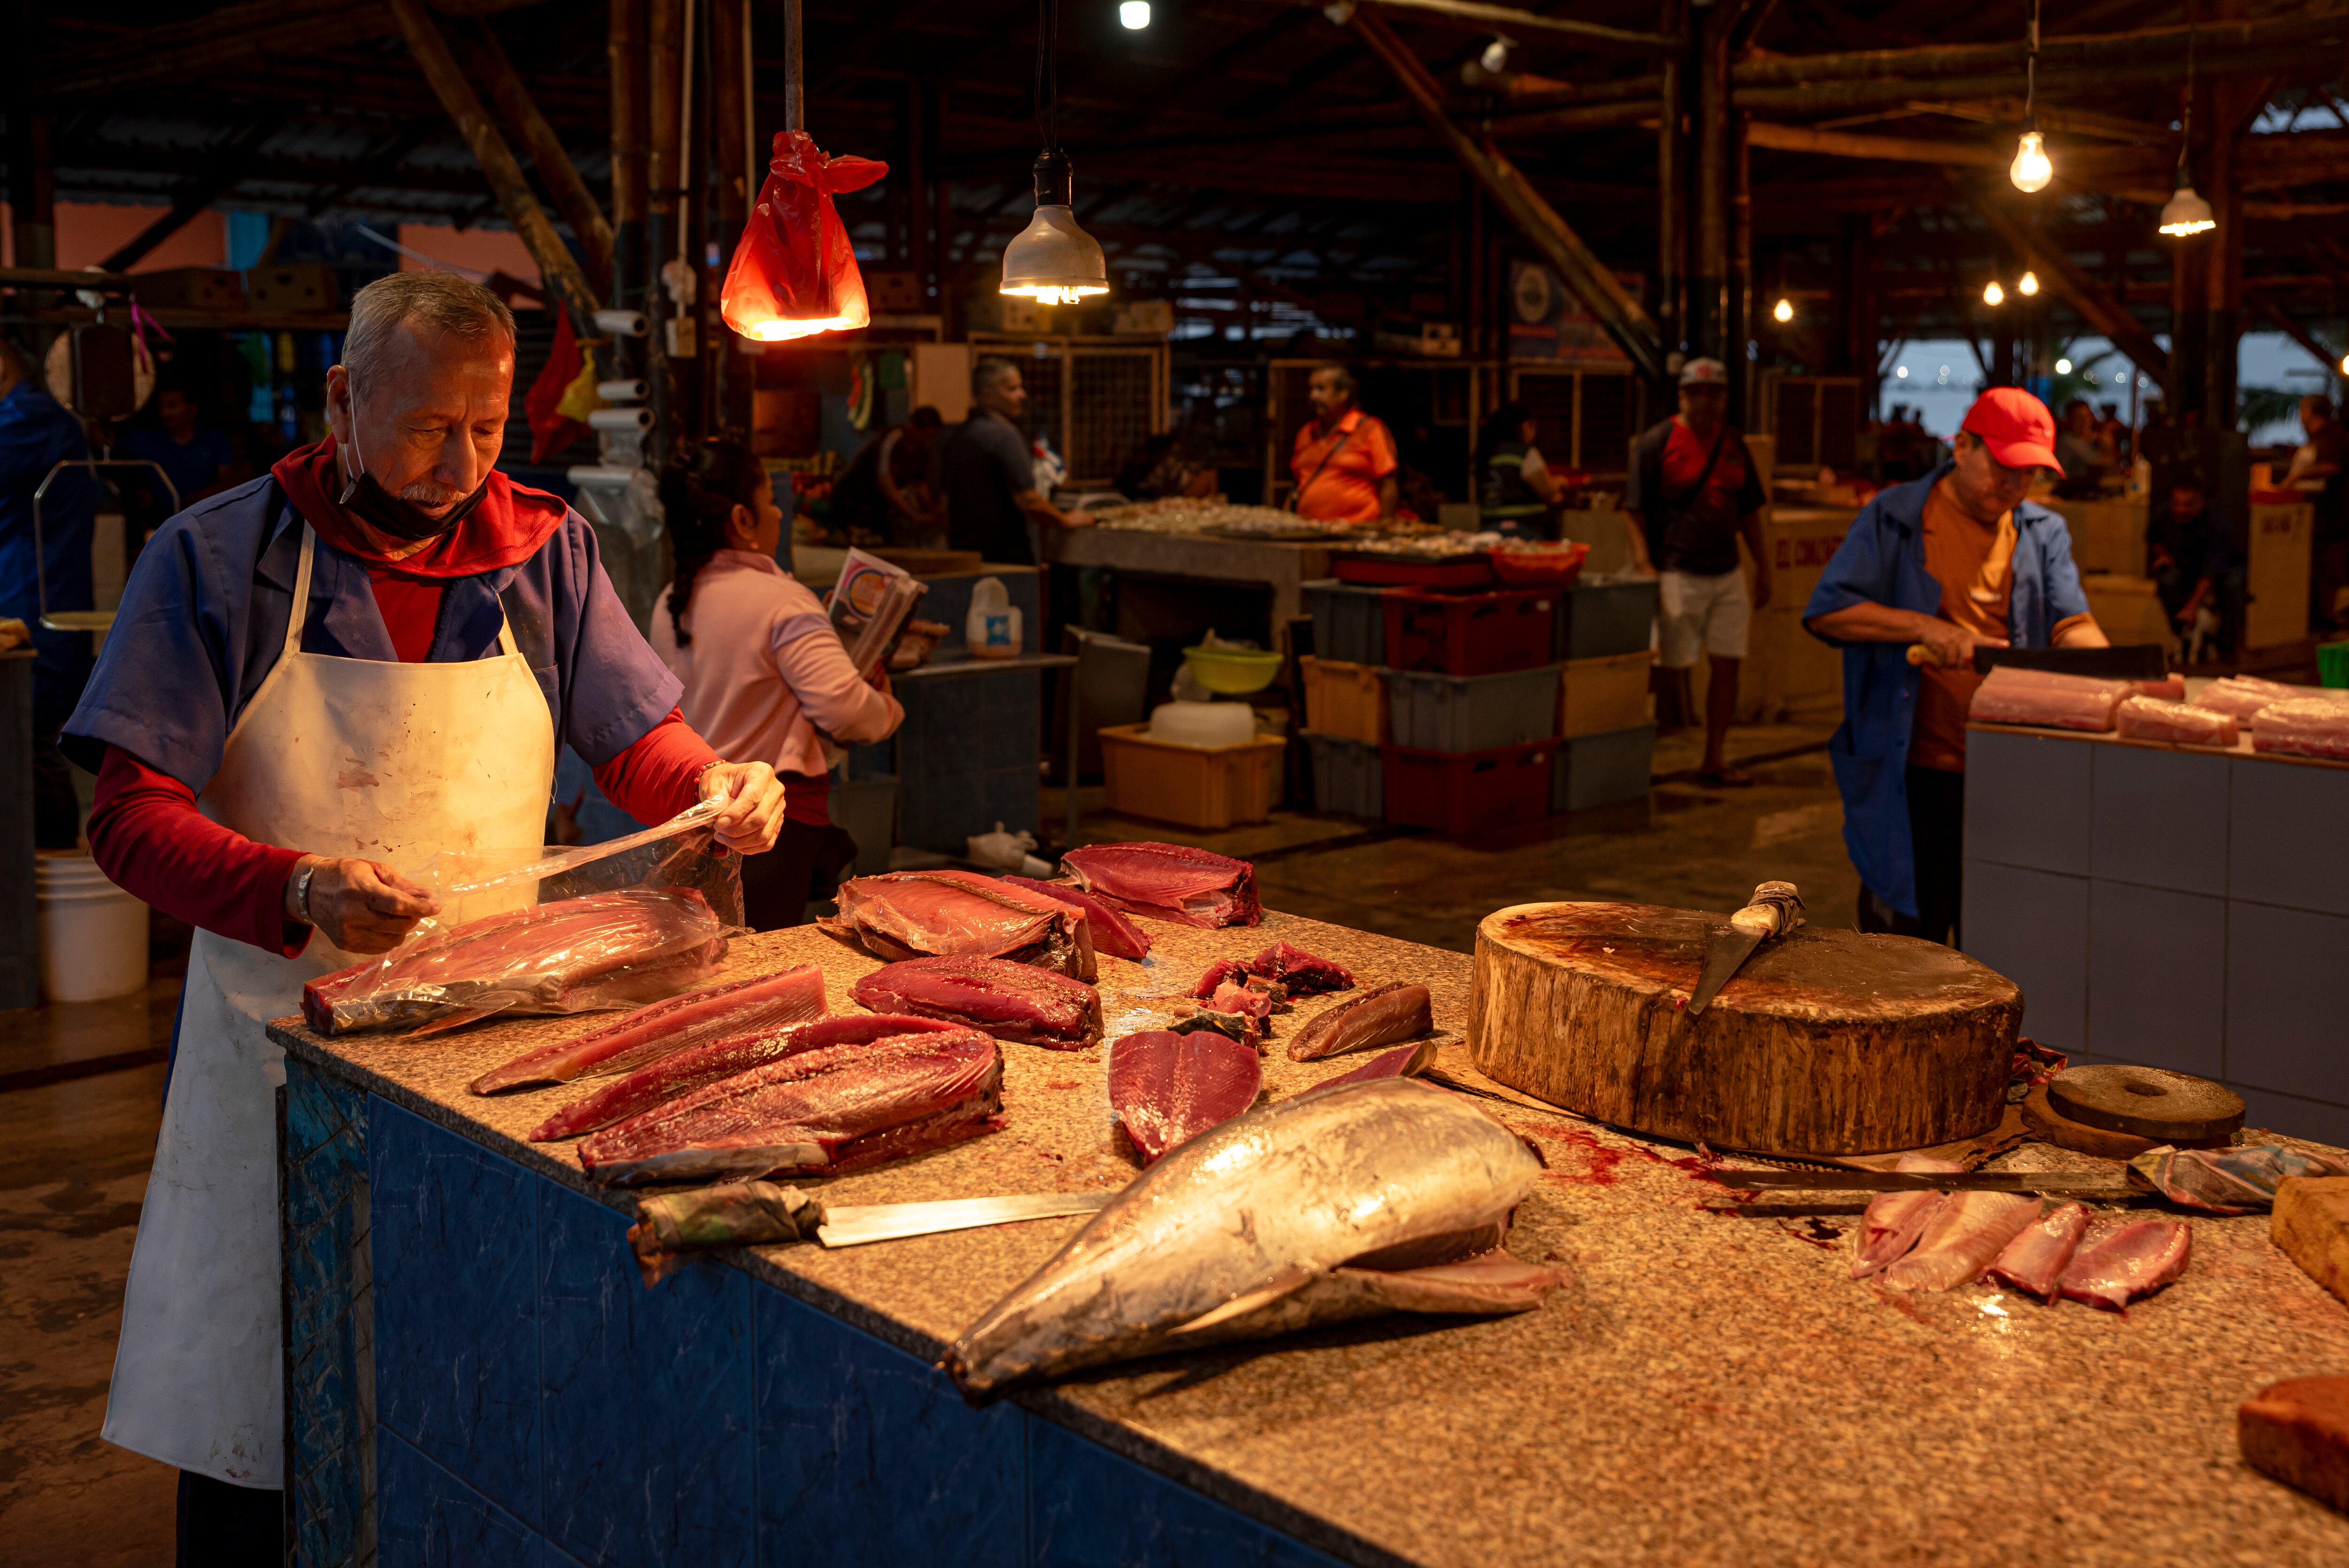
(558, 269)
(625, 51)
(2096, 52)
(662, 54)
(555, 170)
(1709, 283)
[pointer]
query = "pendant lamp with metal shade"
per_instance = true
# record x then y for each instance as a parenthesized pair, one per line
(2185, 212)
(1053, 261)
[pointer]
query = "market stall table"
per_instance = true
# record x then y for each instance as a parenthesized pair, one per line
(474, 1363)
(1279, 565)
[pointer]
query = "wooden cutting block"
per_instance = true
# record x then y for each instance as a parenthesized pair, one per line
(1826, 1042)
(2298, 1431)
(2147, 1102)
(2309, 1224)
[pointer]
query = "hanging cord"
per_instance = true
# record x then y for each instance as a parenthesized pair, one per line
(2031, 75)
(1048, 71)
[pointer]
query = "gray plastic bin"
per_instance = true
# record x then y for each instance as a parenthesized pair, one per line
(1433, 712)
(1603, 769)
(1600, 617)
(1348, 622)
(1348, 777)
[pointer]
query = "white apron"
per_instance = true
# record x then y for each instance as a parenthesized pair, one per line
(392, 762)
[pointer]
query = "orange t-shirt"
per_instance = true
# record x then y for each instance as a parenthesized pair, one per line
(1975, 567)
(1345, 487)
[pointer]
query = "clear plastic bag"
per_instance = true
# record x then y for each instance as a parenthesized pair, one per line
(614, 924)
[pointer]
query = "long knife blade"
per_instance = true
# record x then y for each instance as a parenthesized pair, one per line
(1774, 908)
(853, 1225)
(2078, 1183)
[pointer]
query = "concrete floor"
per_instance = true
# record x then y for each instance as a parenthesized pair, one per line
(75, 1150)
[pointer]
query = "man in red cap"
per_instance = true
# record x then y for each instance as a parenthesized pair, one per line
(1955, 561)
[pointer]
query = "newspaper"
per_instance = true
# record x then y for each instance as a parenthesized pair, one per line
(868, 607)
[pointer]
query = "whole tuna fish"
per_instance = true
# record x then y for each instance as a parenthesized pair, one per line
(1384, 1196)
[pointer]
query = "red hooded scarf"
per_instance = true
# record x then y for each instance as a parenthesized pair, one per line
(509, 526)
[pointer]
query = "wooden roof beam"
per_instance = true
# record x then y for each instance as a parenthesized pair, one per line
(2076, 287)
(2325, 358)
(2080, 52)
(224, 166)
(572, 198)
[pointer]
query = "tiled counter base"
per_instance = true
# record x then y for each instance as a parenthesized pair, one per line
(478, 1375)
(2176, 906)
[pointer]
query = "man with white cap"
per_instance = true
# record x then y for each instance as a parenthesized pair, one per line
(1955, 561)
(1692, 490)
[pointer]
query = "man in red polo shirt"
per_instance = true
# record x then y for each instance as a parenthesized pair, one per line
(1345, 460)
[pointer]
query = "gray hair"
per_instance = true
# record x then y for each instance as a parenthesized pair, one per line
(442, 301)
(987, 374)
(1345, 377)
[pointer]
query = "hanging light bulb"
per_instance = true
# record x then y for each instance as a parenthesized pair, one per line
(1784, 310)
(2028, 283)
(1134, 15)
(1053, 261)
(1993, 294)
(1495, 57)
(2031, 170)
(2344, 364)
(2063, 367)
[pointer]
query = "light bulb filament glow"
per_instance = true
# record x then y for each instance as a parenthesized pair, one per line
(1784, 310)
(2031, 170)
(2028, 283)
(1994, 295)
(1054, 294)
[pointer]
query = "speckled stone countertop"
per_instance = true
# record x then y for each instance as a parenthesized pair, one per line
(1712, 1388)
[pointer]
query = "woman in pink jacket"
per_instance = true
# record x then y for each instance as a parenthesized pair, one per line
(765, 676)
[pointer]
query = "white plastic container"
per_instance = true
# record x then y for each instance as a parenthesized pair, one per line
(93, 935)
(1203, 723)
(992, 628)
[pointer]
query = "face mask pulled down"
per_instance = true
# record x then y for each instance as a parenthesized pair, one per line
(395, 515)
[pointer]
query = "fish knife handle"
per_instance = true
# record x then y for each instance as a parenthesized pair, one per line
(1782, 905)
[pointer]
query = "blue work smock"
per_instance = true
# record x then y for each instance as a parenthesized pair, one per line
(36, 433)
(1882, 561)
(202, 622)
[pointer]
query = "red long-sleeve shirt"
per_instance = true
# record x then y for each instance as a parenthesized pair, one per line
(147, 835)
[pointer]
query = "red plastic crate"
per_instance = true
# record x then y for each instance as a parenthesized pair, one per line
(1463, 792)
(1470, 634)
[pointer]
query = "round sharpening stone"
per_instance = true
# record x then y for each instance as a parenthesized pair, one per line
(2146, 1102)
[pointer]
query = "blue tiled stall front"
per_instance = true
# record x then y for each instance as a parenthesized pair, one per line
(534, 1404)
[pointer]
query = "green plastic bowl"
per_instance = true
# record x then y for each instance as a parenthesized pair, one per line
(2332, 664)
(1235, 672)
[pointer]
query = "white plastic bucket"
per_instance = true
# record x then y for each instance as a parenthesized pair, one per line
(93, 935)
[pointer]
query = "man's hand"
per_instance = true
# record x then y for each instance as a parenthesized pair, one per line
(1761, 585)
(1078, 520)
(754, 814)
(360, 907)
(1952, 644)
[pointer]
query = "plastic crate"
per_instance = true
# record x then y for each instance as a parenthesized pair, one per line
(1431, 712)
(1467, 791)
(1344, 699)
(1603, 769)
(1349, 624)
(2332, 664)
(1348, 778)
(1603, 693)
(1194, 785)
(1601, 616)
(1470, 634)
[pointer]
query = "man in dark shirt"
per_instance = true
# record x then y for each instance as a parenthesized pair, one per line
(988, 474)
(195, 458)
(2330, 572)
(1691, 491)
(2191, 550)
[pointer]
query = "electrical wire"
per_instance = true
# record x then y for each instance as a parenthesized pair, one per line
(1048, 71)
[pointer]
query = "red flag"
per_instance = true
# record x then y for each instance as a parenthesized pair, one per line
(557, 411)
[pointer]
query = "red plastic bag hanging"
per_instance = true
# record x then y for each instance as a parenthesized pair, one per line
(794, 273)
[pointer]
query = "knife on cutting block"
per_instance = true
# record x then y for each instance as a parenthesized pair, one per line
(854, 1225)
(1775, 910)
(2072, 1184)
(672, 1226)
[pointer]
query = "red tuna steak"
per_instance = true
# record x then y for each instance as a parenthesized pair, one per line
(1111, 933)
(1168, 1088)
(1009, 1001)
(1169, 881)
(911, 915)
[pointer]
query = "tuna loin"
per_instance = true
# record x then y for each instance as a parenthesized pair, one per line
(2009, 696)
(696, 1018)
(1380, 1016)
(1378, 1197)
(2035, 1259)
(909, 915)
(1895, 1220)
(2304, 727)
(1964, 1236)
(2146, 719)
(1168, 1088)
(819, 1113)
(572, 955)
(1111, 933)
(1404, 1061)
(1009, 1001)
(682, 1072)
(2242, 697)
(1169, 881)
(1303, 973)
(2136, 1260)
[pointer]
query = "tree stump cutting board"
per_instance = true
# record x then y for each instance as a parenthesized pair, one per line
(1826, 1042)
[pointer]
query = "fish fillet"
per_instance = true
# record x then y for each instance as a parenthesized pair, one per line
(1964, 1236)
(570, 955)
(2063, 702)
(682, 1072)
(2242, 697)
(1009, 1001)
(2035, 1261)
(1213, 977)
(1895, 1220)
(2304, 727)
(1168, 1088)
(1111, 933)
(1404, 1061)
(1380, 1016)
(820, 1113)
(2134, 1261)
(2144, 718)
(1169, 881)
(1304, 974)
(910, 914)
(696, 1018)
(1259, 1227)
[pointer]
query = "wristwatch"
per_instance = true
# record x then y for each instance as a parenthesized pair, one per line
(300, 893)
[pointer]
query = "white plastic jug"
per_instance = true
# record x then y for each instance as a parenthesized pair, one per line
(992, 627)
